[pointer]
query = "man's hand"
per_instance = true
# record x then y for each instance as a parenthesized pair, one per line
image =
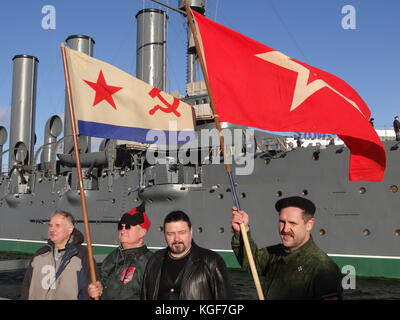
(95, 290)
(239, 217)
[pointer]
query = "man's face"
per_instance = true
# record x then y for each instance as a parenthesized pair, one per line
(293, 230)
(178, 236)
(59, 230)
(132, 237)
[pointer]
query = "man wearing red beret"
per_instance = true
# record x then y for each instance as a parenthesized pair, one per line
(122, 270)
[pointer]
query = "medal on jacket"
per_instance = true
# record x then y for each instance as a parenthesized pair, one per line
(127, 274)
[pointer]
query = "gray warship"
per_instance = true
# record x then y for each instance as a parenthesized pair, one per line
(357, 223)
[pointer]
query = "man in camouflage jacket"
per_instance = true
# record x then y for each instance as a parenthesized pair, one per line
(296, 268)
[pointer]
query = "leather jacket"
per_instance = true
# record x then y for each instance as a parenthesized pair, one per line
(205, 276)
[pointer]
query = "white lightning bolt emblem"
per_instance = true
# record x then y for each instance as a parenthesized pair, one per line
(302, 90)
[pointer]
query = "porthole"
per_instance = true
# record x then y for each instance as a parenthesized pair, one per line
(267, 161)
(220, 196)
(316, 155)
(322, 232)
(362, 190)
(199, 229)
(366, 232)
(221, 230)
(305, 192)
(397, 232)
(279, 193)
(161, 229)
(243, 195)
(394, 188)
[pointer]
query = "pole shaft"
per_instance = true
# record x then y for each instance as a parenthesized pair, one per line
(228, 167)
(79, 168)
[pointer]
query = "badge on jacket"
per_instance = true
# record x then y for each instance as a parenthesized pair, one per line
(127, 274)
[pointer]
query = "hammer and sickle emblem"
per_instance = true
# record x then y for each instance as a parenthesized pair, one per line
(155, 92)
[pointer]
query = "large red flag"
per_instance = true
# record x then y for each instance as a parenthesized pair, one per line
(257, 86)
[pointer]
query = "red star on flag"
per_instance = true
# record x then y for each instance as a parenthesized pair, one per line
(103, 91)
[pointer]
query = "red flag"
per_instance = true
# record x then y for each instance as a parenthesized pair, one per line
(257, 86)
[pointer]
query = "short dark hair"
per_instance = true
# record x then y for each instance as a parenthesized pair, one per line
(175, 216)
(67, 215)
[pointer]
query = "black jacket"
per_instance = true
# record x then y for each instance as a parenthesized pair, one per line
(205, 276)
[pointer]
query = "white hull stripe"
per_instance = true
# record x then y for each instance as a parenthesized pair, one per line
(218, 250)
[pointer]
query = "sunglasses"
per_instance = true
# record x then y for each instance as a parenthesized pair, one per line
(127, 226)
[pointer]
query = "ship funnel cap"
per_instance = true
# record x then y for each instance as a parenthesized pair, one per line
(297, 202)
(27, 56)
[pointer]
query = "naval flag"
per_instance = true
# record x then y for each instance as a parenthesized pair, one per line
(110, 103)
(257, 86)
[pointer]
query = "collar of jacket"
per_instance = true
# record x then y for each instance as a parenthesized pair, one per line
(289, 256)
(133, 251)
(75, 238)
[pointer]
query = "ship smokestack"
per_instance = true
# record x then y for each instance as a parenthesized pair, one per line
(83, 44)
(23, 110)
(199, 6)
(52, 130)
(3, 140)
(151, 47)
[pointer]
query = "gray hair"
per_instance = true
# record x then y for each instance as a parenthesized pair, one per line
(67, 215)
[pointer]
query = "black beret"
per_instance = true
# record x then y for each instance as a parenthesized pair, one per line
(297, 202)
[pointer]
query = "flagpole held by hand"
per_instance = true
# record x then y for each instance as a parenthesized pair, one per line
(79, 169)
(222, 144)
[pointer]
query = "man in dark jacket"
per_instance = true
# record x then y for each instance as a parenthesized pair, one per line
(59, 270)
(183, 270)
(396, 127)
(296, 268)
(122, 270)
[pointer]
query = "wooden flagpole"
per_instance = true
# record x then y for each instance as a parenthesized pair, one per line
(228, 167)
(79, 168)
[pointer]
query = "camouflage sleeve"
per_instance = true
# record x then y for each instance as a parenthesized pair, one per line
(327, 283)
(261, 256)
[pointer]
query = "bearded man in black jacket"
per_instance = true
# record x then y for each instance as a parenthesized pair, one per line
(183, 270)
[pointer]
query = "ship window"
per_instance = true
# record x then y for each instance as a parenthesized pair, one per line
(316, 155)
(394, 188)
(305, 192)
(199, 229)
(243, 195)
(267, 161)
(362, 190)
(221, 230)
(322, 232)
(220, 196)
(161, 229)
(279, 193)
(397, 232)
(366, 232)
